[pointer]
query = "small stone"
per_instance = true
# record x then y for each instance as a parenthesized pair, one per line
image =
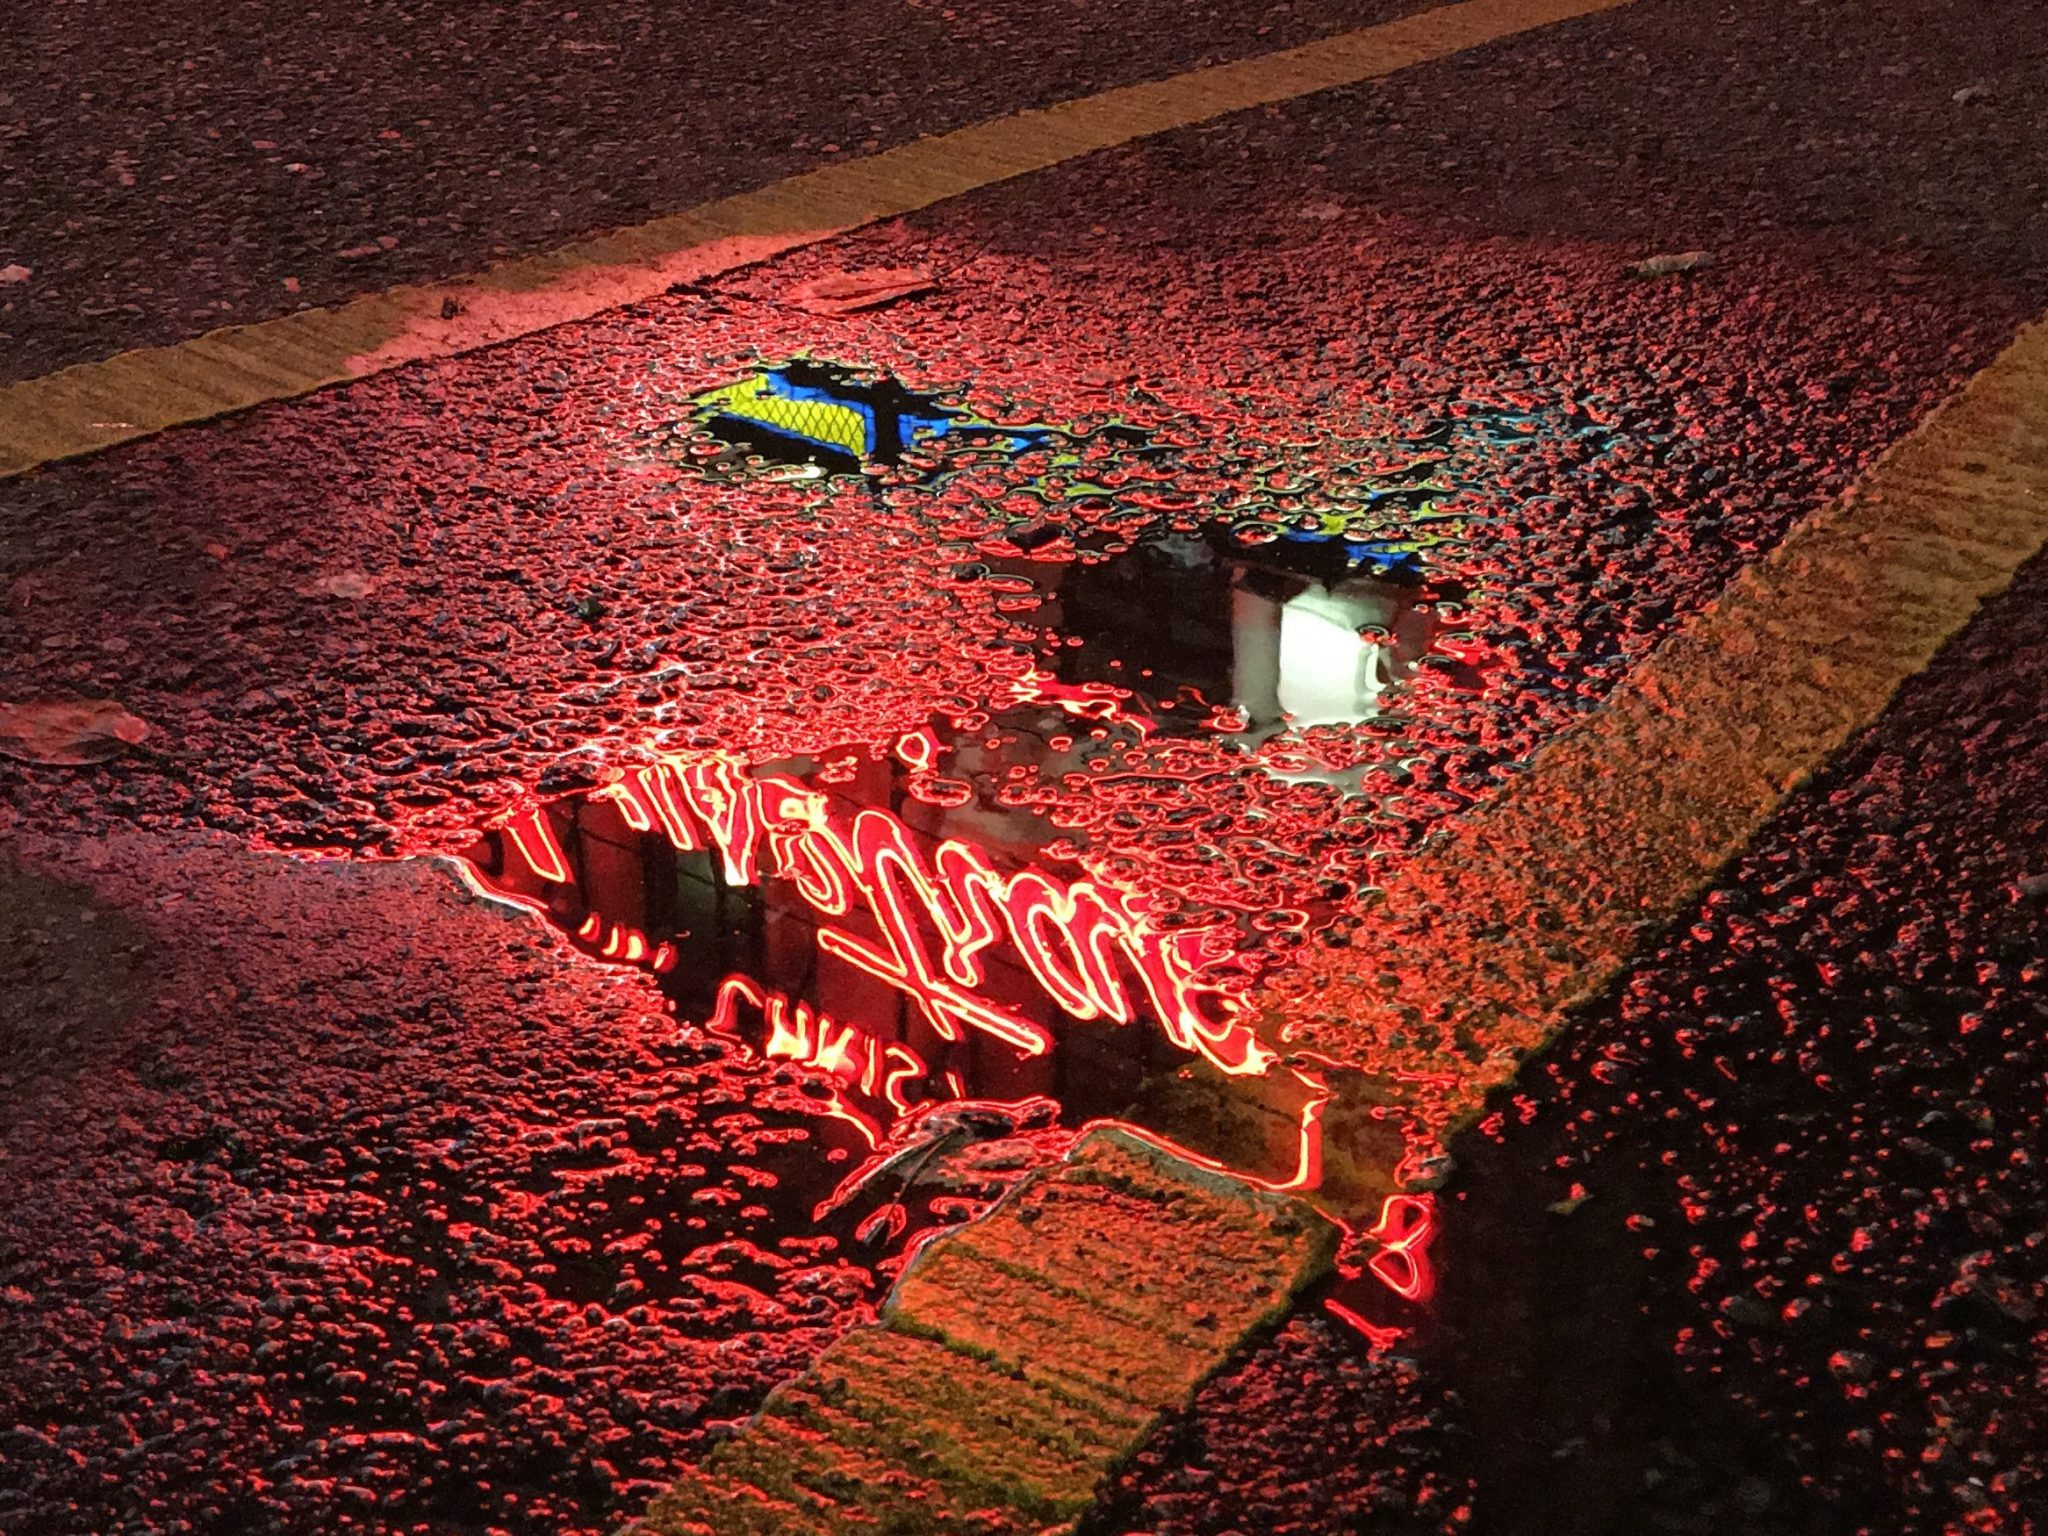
(1852, 1365)
(1671, 263)
(350, 583)
(68, 733)
(843, 293)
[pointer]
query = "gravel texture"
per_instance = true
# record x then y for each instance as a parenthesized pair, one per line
(281, 1225)
(1020, 1358)
(375, 1208)
(441, 585)
(213, 166)
(1807, 1136)
(1759, 1244)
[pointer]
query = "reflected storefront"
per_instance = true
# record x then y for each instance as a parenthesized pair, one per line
(1291, 634)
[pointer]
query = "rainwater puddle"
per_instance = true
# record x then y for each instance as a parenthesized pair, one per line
(959, 946)
(955, 986)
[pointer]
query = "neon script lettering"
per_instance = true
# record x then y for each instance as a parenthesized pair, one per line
(935, 919)
(882, 1071)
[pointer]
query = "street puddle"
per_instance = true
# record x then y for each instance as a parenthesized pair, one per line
(958, 946)
(955, 982)
(854, 917)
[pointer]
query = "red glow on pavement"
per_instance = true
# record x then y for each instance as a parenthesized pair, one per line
(934, 921)
(938, 923)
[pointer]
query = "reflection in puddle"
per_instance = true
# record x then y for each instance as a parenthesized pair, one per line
(1288, 634)
(815, 416)
(807, 419)
(906, 951)
(906, 925)
(958, 940)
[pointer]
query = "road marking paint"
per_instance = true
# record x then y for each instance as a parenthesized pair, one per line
(92, 406)
(1020, 1358)
(1539, 899)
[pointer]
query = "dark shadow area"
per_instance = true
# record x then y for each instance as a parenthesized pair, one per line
(1846, 135)
(1759, 1245)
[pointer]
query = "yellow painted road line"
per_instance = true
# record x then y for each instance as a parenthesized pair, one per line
(1539, 899)
(95, 405)
(1479, 946)
(1020, 1358)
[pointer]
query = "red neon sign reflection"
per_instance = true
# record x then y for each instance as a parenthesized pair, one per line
(1403, 1230)
(1086, 943)
(927, 924)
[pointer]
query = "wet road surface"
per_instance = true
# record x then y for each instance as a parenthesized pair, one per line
(219, 168)
(1758, 1244)
(382, 1208)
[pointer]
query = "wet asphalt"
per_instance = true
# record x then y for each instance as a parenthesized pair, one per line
(1756, 1247)
(219, 166)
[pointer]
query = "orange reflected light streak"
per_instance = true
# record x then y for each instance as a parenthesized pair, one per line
(535, 840)
(1377, 1336)
(1308, 1167)
(468, 874)
(918, 750)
